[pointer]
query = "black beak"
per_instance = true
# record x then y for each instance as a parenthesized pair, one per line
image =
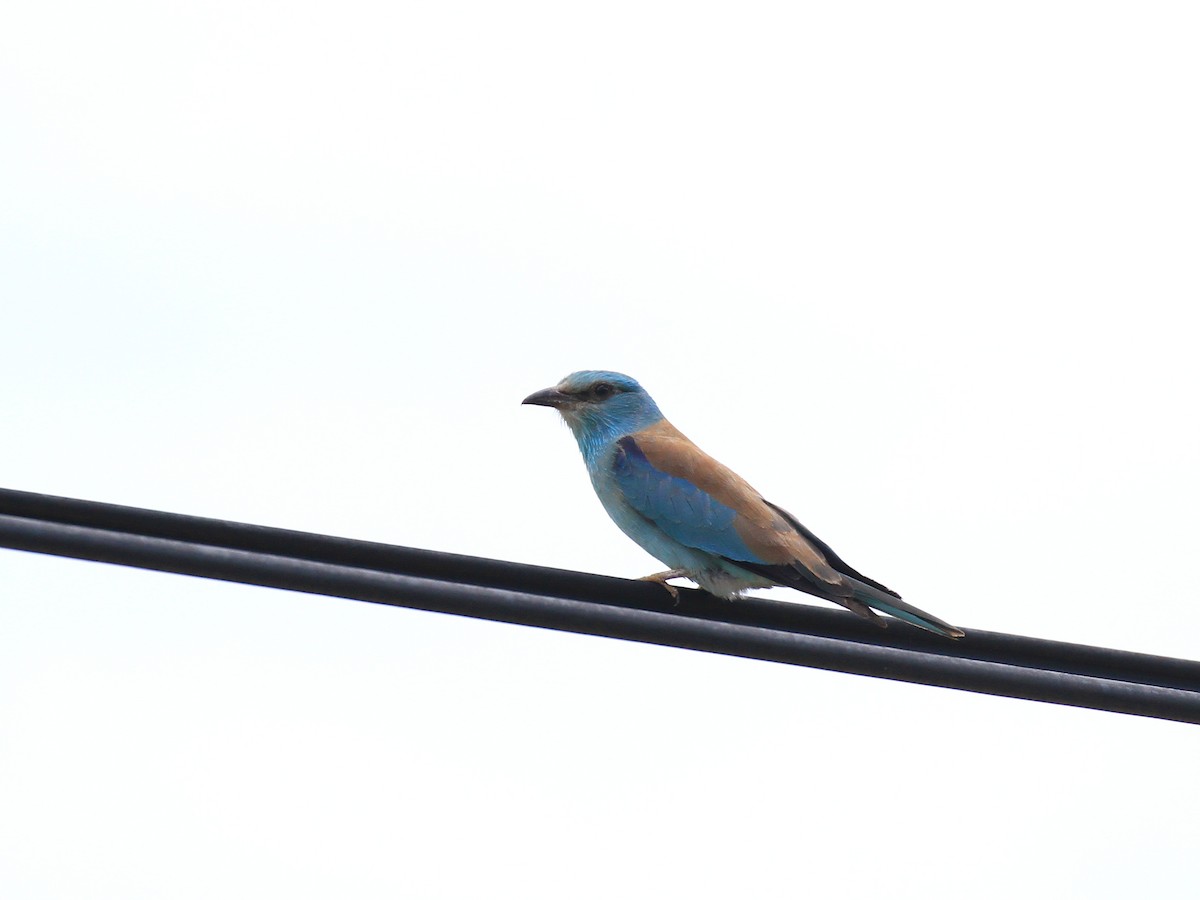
(548, 397)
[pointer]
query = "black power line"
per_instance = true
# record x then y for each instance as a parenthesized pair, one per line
(985, 662)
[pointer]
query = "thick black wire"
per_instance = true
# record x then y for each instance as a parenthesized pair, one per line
(985, 662)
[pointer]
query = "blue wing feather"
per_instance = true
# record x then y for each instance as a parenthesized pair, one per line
(684, 512)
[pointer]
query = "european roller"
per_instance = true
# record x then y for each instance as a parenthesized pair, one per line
(692, 513)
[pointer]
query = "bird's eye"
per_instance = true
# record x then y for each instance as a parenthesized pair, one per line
(603, 391)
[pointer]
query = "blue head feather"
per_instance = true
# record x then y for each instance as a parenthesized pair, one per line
(601, 407)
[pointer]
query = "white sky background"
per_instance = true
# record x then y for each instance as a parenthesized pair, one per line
(926, 274)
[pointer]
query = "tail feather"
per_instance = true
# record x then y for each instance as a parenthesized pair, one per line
(856, 591)
(857, 596)
(894, 606)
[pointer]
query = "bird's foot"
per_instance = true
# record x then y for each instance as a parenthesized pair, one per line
(661, 578)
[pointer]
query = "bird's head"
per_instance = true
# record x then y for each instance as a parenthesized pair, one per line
(599, 406)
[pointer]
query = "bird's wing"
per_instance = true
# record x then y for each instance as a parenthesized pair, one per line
(702, 504)
(698, 502)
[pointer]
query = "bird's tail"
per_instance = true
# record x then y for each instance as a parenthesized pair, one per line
(894, 606)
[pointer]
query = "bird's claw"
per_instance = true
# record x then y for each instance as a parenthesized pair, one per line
(661, 578)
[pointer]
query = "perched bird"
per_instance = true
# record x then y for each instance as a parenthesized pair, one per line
(701, 519)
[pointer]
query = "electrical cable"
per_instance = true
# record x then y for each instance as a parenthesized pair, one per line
(755, 628)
